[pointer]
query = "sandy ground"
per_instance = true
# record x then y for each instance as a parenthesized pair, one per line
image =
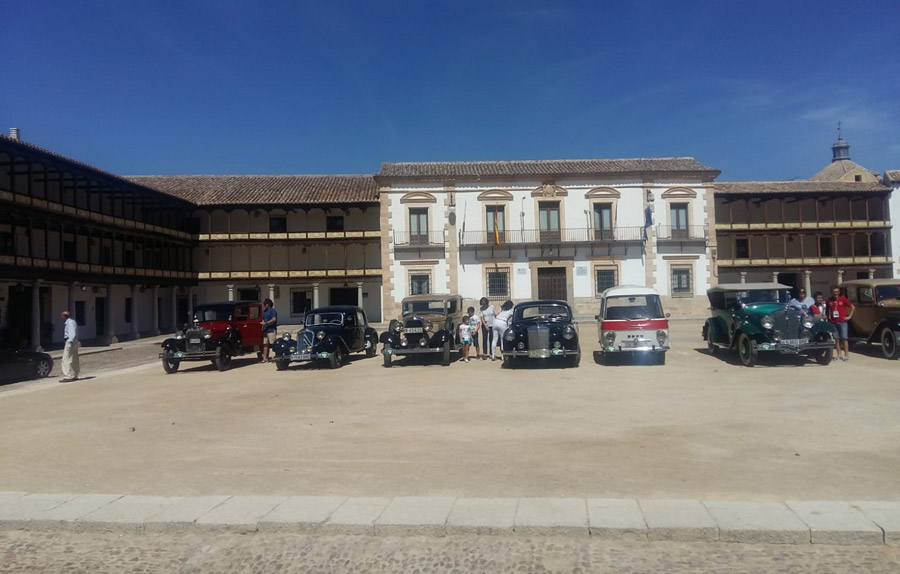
(699, 427)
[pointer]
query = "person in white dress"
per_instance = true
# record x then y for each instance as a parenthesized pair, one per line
(501, 323)
(70, 367)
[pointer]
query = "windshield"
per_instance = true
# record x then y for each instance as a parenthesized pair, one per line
(323, 319)
(761, 296)
(633, 307)
(421, 307)
(541, 312)
(212, 314)
(888, 292)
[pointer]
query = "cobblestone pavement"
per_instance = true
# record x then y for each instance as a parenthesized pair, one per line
(99, 552)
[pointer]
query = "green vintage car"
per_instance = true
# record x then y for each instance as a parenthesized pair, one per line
(755, 317)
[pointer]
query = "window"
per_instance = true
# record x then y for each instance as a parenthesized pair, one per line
(254, 313)
(301, 302)
(106, 255)
(678, 217)
(497, 284)
(548, 213)
(278, 224)
(248, 294)
(68, 250)
(80, 313)
(826, 246)
(241, 314)
(334, 223)
(418, 226)
(6, 243)
(741, 248)
(129, 258)
(604, 278)
(128, 309)
(682, 286)
(603, 227)
(419, 283)
(495, 216)
(861, 245)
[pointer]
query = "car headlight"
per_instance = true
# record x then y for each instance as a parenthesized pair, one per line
(397, 327)
(521, 345)
(179, 337)
(287, 337)
(662, 337)
(568, 333)
(429, 326)
(807, 320)
(206, 335)
(509, 336)
(767, 322)
(609, 338)
(556, 344)
(320, 335)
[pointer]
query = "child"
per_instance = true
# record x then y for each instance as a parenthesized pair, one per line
(474, 329)
(465, 335)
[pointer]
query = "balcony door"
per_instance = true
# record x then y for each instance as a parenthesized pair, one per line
(603, 229)
(418, 226)
(548, 217)
(496, 224)
(678, 215)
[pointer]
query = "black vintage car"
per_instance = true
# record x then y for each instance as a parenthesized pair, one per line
(16, 365)
(427, 325)
(218, 332)
(543, 330)
(330, 334)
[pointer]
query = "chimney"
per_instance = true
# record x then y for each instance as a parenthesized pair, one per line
(14, 134)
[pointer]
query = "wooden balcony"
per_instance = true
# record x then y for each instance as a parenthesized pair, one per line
(290, 274)
(802, 225)
(291, 236)
(807, 261)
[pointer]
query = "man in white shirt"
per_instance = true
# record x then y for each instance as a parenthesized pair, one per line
(70, 366)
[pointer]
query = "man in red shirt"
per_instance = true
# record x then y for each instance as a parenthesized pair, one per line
(840, 310)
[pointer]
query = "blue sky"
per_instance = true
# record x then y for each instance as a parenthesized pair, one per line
(754, 88)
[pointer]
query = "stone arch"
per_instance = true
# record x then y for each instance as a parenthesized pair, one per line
(495, 195)
(603, 193)
(418, 197)
(679, 193)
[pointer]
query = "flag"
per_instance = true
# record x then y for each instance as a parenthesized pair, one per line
(496, 229)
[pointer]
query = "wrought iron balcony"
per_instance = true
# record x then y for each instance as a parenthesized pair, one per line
(681, 233)
(557, 236)
(419, 240)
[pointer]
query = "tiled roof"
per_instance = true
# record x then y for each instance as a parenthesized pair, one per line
(540, 168)
(892, 176)
(836, 169)
(265, 189)
(796, 186)
(11, 143)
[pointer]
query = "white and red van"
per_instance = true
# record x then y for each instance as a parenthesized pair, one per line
(632, 321)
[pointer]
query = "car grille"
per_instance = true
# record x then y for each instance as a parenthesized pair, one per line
(788, 323)
(194, 347)
(538, 337)
(306, 338)
(414, 338)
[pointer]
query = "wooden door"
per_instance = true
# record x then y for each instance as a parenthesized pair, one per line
(552, 283)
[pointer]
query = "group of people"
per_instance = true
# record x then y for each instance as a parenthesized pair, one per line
(837, 310)
(487, 325)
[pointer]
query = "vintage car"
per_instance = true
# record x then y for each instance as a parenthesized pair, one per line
(632, 323)
(877, 315)
(329, 334)
(543, 330)
(427, 324)
(218, 332)
(754, 317)
(21, 365)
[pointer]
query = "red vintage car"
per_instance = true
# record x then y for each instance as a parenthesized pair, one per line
(632, 323)
(219, 331)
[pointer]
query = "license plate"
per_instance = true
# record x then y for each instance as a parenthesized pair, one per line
(194, 341)
(539, 354)
(414, 329)
(793, 342)
(300, 357)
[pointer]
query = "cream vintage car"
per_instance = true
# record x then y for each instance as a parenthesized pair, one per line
(427, 325)
(877, 315)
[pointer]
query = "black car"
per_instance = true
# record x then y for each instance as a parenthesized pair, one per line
(16, 365)
(542, 330)
(328, 333)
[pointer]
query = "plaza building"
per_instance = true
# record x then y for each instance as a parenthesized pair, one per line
(565, 229)
(891, 179)
(114, 253)
(303, 241)
(813, 233)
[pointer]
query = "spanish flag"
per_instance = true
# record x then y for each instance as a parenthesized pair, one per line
(496, 229)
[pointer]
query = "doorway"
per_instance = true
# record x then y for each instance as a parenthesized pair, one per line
(342, 296)
(552, 283)
(19, 316)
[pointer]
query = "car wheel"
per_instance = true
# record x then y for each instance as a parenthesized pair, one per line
(387, 356)
(281, 364)
(170, 365)
(660, 359)
(711, 346)
(823, 356)
(445, 355)
(223, 360)
(337, 358)
(373, 348)
(889, 343)
(747, 350)
(43, 368)
(572, 361)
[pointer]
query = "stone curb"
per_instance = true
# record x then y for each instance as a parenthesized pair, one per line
(791, 522)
